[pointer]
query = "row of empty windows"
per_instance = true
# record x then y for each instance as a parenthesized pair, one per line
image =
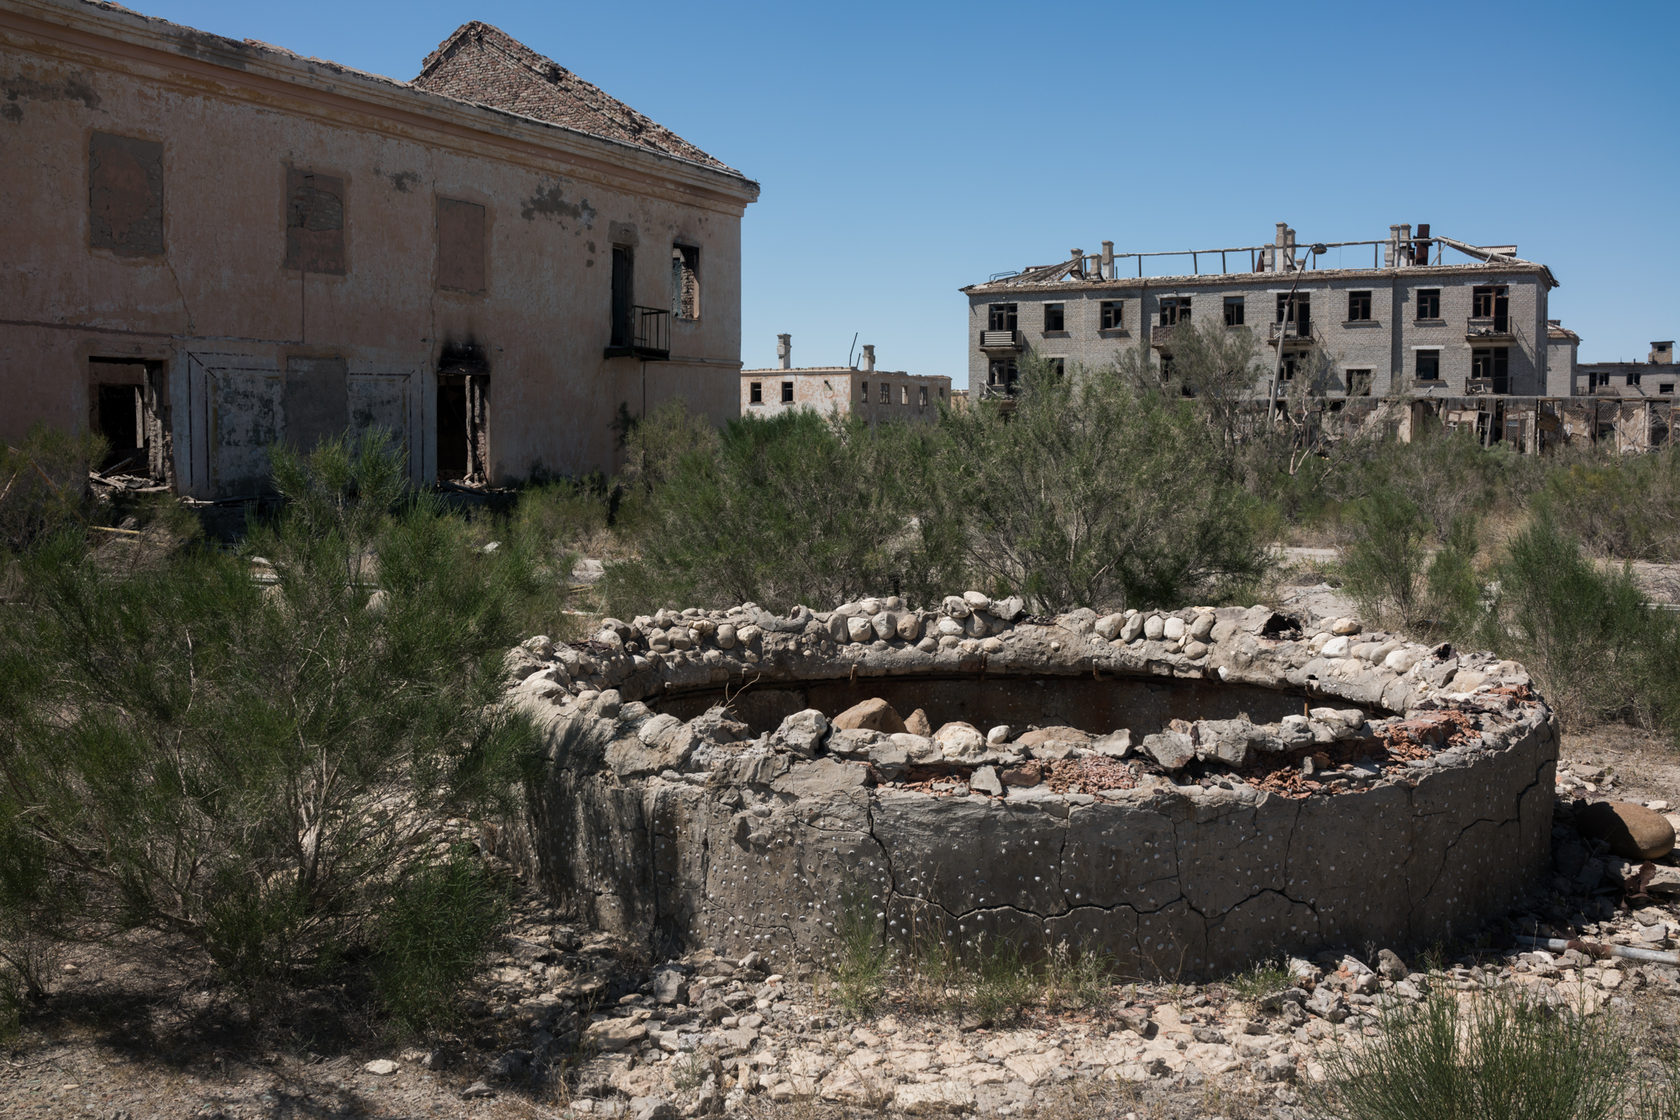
(755, 393)
(1634, 379)
(125, 216)
(1487, 302)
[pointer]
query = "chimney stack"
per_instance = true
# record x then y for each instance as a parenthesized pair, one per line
(1406, 243)
(1108, 260)
(1422, 252)
(784, 350)
(1391, 251)
(869, 357)
(1662, 353)
(1077, 264)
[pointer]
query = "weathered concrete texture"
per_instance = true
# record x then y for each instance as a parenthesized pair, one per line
(1291, 819)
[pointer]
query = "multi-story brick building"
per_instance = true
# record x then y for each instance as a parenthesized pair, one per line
(1416, 325)
(873, 394)
(215, 245)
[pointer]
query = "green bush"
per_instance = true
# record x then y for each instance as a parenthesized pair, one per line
(251, 753)
(431, 936)
(1622, 506)
(1496, 1056)
(1094, 492)
(1595, 648)
(43, 485)
(1383, 555)
(792, 509)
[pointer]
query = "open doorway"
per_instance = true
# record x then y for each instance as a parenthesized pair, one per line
(128, 403)
(463, 415)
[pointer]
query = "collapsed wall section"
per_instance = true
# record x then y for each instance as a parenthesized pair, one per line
(1187, 792)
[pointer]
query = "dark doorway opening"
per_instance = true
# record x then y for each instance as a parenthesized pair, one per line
(129, 407)
(463, 415)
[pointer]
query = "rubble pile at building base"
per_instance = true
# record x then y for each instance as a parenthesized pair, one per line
(1187, 792)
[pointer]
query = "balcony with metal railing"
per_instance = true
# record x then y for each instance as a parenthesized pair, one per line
(1291, 335)
(645, 333)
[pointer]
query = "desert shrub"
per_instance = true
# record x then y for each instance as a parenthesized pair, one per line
(255, 762)
(43, 484)
(1452, 586)
(1496, 1056)
(1621, 506)
(431, 936)
(1383, 554)
(1594, 646)
(792, 509)
(1096, 492)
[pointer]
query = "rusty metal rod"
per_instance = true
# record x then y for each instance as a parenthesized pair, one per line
(1603, 949)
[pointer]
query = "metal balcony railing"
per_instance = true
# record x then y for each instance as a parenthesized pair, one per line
(645, 333)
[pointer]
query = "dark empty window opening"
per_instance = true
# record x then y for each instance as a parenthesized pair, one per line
(1110, 317)
(463, 415)
(1287, 371)
(1233, 311)
(924, 397)
(1297, 309)
(787, 392)
(1002, 317)
(1428, 365)
(314, 222)
(1492, 364)
(685, 281)
(1665, 387)
(1053, 317)
(1174, 309)
(1633, 380)
(1359, 382)
(1166, 368)
(1359, 307)
(1002, 375)
(1488, 301)
(886, 393)
(755, 392)
(1428, 303)
(623, 296)
(904, 394)
(865, 394)
(129, 405)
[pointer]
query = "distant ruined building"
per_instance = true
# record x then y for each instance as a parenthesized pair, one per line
(217, 245)
(1417, 337)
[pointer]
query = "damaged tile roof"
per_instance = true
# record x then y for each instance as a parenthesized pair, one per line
(483, 64)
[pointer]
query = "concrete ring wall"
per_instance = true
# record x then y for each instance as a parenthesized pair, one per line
(1279, 788)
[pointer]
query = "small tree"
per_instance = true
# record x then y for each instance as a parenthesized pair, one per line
(259, 756)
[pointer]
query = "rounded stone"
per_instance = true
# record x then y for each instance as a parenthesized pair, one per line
(1153, 627)
(1172, 629)
(1632, 831)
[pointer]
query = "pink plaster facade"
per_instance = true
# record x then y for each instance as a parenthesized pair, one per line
(874, 395)
(153, 227)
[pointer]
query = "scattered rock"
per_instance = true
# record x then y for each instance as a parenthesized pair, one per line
(381, 1067)
(873, 714)
(1632, 831)
(985, 780)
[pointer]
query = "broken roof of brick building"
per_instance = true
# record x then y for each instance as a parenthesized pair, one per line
(487, 66)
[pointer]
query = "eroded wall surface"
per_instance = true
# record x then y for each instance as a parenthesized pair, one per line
(278, 231)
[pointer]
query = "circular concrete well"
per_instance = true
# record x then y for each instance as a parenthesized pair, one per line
(1188, 792)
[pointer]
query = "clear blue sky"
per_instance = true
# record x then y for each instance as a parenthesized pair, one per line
(907, 149)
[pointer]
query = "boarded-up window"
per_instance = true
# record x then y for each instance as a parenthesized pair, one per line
(460, 230)
(125, 195)
(316, 402)
(314, 222)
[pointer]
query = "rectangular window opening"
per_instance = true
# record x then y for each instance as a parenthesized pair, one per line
(755, 392)
(1175, 309)
(125, 195)
(886, 393)
(1428, 365)
(623, 295)
(1359, 307)
(685, 282)
(1002, 317)
(1110, 316)
(787, 392)
(1053, 317)
(1428, 303)
(460, 246)
(1359, 382)
(1233, 311)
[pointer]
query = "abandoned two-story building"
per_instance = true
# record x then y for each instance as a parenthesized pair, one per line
(841, 391)
(215, 245)
(1441, 327)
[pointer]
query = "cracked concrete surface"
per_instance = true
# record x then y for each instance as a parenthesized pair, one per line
(733, 843)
